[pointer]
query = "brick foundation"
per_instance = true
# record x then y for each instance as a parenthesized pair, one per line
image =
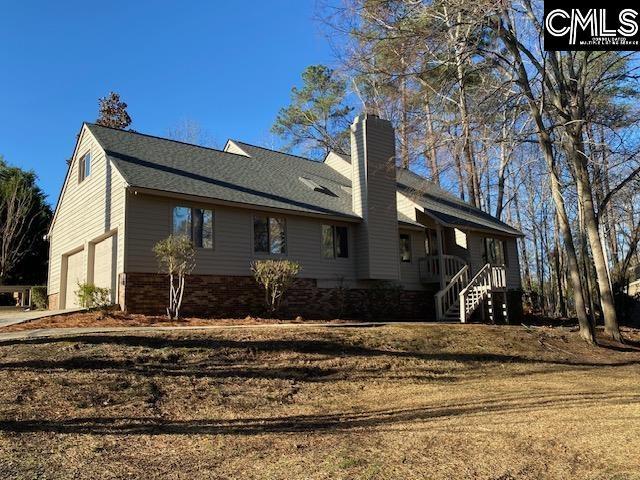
(53, 301)
(218, 296)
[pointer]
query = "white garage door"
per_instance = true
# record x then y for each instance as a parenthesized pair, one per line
(104, 265)
(74, 276)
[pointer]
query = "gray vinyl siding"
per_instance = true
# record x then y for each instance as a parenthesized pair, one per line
(149, 220)
(374, 197)
(476, 261)
(86, 210)
(451, 247)
(340, 165)
(409, 271)
(406, 206)
(514, 281)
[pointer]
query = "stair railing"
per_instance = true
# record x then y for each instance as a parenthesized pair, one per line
(472, 295)
(449, 295)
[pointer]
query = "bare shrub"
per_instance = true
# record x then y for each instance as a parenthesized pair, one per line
(176, 257)
(275, 276)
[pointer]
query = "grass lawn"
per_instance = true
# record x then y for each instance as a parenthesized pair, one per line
(433, 401)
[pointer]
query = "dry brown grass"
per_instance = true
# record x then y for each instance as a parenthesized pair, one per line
(437, 402)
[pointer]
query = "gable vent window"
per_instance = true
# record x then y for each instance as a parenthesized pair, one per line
(84, 167)
(195, 224)
(316, 187)
(269, 235)
(335, 242)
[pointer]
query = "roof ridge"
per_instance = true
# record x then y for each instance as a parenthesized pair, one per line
(92, 124)
(277, 151)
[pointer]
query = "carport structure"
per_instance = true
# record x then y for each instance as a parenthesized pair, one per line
(22, 293)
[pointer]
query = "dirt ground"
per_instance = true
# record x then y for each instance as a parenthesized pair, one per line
(324, 402)
(120, 319)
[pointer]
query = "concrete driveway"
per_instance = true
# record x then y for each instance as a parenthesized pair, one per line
(11, 316)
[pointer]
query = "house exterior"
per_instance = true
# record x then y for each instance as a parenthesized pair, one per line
(361, 229)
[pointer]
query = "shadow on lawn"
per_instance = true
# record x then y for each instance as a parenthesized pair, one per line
(154, 367)
(312, 423)
(330, 348)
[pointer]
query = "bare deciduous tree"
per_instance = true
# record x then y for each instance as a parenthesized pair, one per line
(176, 257)
(24, 217)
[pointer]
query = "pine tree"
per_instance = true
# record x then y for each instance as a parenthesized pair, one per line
(317, 120)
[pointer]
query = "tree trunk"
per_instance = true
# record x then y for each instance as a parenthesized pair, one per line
(431, 152)
(562, 306)
(467, 145)
(546, 146)
(587, 272)
(456, 158)
(523, 243)
(585, 197)
(404, 123)
(504, 159)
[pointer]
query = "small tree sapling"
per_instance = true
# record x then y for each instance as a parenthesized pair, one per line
(176, 257)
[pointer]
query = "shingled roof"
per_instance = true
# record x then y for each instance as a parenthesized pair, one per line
(266, 178)
(170, 166)
(447, 208)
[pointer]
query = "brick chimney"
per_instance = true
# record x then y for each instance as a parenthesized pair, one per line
(374, 197)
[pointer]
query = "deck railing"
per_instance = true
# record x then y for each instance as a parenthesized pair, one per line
(429, 267)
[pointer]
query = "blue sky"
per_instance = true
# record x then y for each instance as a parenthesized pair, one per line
(227, 65)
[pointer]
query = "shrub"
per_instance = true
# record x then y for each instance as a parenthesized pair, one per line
(39, 298)
(176, 257)
(275, 276)
(90, 296)
(383, 299)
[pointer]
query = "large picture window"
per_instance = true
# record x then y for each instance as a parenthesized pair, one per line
(335, 242)
(495, 252)
(269, 235)
(195, 224)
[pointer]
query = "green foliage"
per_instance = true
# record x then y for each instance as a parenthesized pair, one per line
(175, 255)
(317, 120)
(177, 258)
(39, 298)
(24, 219)
(90, 296)
(113, 112)
(275, 276)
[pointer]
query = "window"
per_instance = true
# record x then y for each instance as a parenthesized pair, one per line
(335, 242)
(194, 223)
(269, 235)
(431, 242)
(84, 167)
(405, 247)
(461, 238)
(495, 252)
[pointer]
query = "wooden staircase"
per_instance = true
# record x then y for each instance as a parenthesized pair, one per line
(461, 297)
